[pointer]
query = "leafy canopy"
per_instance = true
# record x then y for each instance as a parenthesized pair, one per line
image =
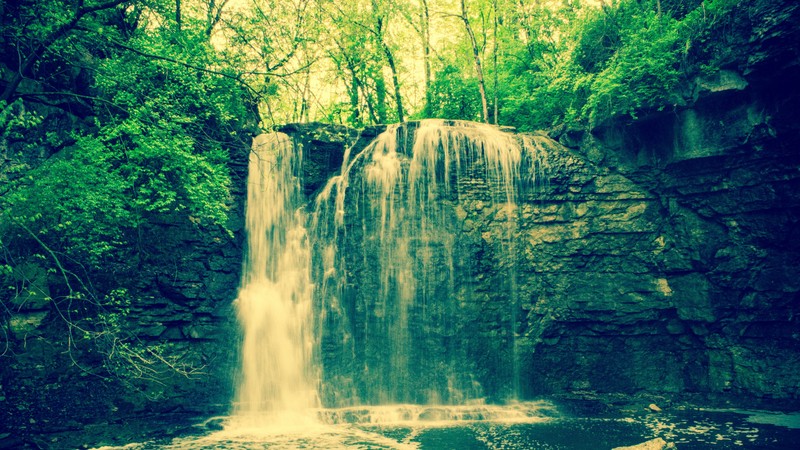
(165, 111)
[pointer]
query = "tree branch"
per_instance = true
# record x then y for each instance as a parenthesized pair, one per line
(237, 78)
(57, 34)
(174, 61)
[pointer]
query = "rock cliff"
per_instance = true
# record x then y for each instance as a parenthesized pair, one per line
(660, 255)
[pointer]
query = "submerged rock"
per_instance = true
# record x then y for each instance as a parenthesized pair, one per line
(653, 444)
(215, 423)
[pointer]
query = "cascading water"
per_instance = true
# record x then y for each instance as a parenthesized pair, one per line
(362, 308)
(397, 267)
(274, 302)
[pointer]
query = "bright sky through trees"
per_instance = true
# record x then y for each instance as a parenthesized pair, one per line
(365, 61)
(517, 62)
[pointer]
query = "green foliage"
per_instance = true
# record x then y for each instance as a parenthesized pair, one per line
(544, 96)
(75, 201)
(454, 95)
(643, 72)
(156, 110)
(619, 59)
(598, 40)
(164, 126)
(548, 63)
(15, 120)
(161, 145)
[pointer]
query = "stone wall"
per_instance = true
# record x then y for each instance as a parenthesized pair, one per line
(685, 282)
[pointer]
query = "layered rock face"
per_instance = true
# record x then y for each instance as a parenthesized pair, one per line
(658, 256)
(685, 262)
(675, 269)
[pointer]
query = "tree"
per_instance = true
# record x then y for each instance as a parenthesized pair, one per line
(425, 32)
(33, 40)
(213, 15)
(269, 43)
(495, 87)
(476, 54)
(362, 52)
(381, 18)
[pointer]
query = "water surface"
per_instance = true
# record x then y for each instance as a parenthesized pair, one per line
(530, 425)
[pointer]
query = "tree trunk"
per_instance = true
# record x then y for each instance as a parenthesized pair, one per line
(304, 105)
(478, 67)
(397, 96)
(178, 14)
(494, 61)
(426, 57)
(380, 97)
(355, 113)
(213, 15)
(354, 87)
(387, 52)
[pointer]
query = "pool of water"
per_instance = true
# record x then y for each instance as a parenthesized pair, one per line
(535, 425)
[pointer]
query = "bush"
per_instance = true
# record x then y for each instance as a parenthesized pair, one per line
(643, 73)
(619, 59)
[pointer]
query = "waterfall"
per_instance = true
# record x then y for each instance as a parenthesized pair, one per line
(381, 295)
(398, 267)
(274, 301)
(368, 305)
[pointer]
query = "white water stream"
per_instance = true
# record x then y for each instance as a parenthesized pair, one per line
(274, 302)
